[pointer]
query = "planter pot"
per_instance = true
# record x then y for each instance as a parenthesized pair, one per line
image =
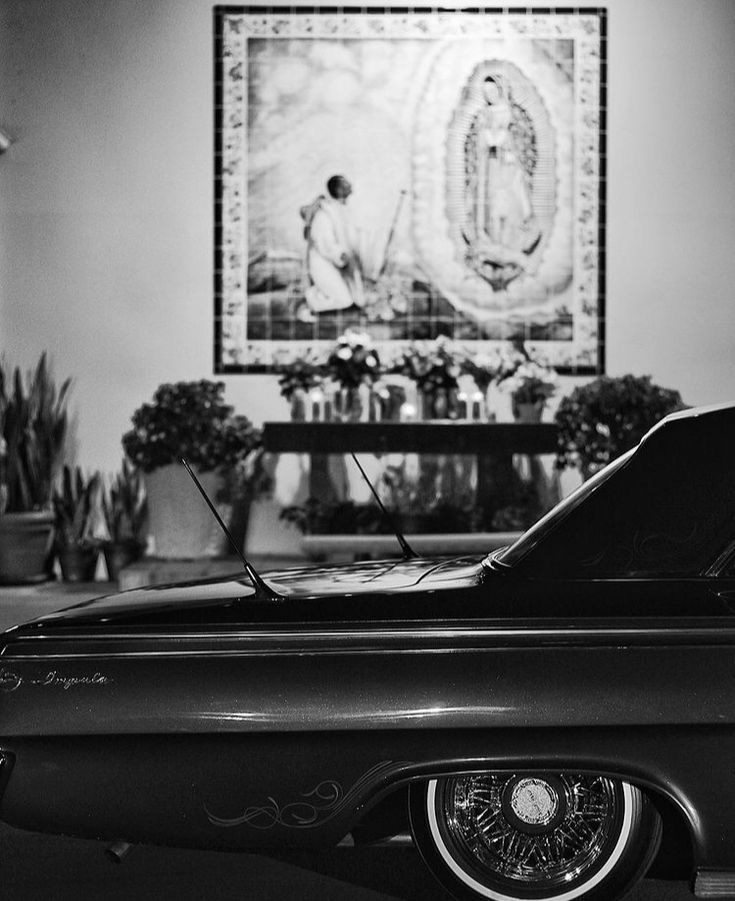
(78, 564)
(25, 547)
(349, 404)
(532, 412)
(298, 405)
(119, 554)
(181, 524)
(443, 403)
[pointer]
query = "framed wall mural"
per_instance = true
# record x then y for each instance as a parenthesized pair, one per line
(410, 173)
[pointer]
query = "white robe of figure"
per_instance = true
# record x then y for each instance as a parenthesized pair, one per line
(331, 260)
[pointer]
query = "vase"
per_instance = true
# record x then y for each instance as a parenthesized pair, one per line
(375, 406)
(434, 404)
(528, 412)
(298, 405)
(78, 564)
(119, 554)
(348, 404)
(25, 547)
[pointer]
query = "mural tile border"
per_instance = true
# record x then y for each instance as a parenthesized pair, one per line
(249, 340)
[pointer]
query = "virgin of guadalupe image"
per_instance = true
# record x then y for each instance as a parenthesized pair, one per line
(500, 227)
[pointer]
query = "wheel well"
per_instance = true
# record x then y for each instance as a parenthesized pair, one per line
(674, 860)
(388, 817)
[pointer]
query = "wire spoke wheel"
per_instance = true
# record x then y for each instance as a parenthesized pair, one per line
(534, 836)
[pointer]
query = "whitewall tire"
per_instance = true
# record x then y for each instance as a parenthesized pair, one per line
(542, 836)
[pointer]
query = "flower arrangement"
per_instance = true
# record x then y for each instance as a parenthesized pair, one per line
(300, 374)
(530, 383)
(606, 417)
(354, 361)
(431, 365)
(191, 420)
(483, 368)
(527, 379)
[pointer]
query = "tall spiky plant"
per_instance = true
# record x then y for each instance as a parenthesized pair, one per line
(125, 506)
(34, 420)
(75, 507)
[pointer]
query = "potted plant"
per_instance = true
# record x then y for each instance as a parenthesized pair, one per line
(33, 426)
(528, 380)
(606, 417)
(191, 420)
(125, 510)
(76, 506)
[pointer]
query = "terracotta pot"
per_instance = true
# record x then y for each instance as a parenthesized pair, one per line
(119, 554)
(25, 547)
(528, 412)
(78, 564)
(180, 522)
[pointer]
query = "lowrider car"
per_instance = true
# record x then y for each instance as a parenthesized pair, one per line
(546, 721)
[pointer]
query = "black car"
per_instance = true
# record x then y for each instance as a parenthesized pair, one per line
(545, 721)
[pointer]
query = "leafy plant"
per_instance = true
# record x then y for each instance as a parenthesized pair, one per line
(302, 373)
(315, 517)
(191, 420)
(33, 420)
(601, 420)
(125, 507)
(75, 506)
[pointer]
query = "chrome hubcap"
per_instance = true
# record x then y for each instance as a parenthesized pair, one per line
(534, 801)
(542, 831)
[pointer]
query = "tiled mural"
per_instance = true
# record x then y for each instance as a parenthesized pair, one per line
(411, 174)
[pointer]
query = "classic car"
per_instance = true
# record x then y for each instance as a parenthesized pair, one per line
(545, 721)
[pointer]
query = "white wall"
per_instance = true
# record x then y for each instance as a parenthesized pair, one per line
(106, 217)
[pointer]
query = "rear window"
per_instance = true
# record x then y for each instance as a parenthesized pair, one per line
(665, 509)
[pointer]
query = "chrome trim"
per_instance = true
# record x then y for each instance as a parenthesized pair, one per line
(714, 884)
(722, 561)
(713, 630)
(354, 641)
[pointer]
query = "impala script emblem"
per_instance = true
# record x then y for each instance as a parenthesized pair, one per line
(10, 681)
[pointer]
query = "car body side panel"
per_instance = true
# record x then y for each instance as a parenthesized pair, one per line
(416, 677)
(264, 744)
(235, 792)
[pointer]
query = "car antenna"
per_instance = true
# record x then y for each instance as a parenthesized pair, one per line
(259, 584)
(408, 552)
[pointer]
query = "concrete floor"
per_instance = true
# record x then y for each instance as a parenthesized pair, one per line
(54, 868)
(44, 867)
